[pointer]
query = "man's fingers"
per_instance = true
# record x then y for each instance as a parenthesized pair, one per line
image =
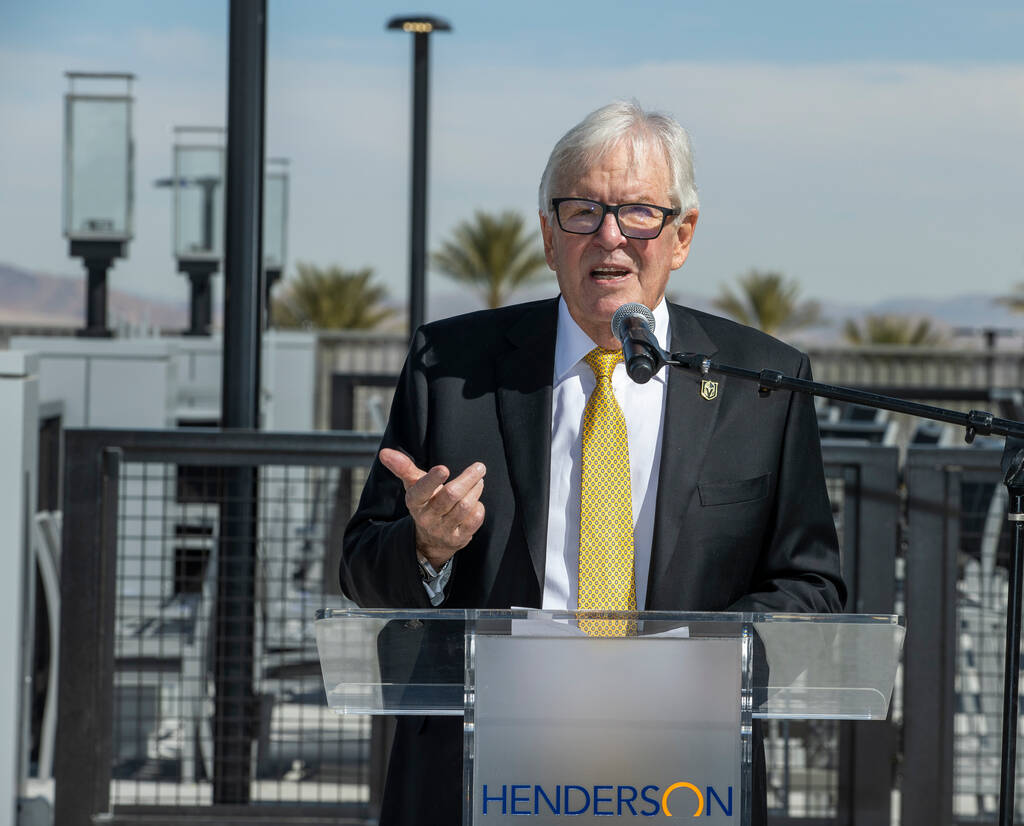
(429, 484)
(467, 504)
(458, 527)
(468, 484)
(471, 521)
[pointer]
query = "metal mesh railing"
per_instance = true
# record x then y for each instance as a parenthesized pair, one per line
(167, 546)
(802, 756)
(956, 581)
(980, 647)
(182, 627)
(943, 368)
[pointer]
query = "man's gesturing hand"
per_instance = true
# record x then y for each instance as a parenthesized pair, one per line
(446, 515)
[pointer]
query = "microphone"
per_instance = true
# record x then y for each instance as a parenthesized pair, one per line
(633, 325)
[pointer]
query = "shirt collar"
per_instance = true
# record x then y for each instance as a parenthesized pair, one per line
(572, 344)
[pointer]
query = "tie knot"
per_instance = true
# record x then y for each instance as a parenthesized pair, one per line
(603, 362)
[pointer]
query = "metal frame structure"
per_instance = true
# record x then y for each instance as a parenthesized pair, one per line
(88, 595)
(934, 479)
(869, 521)
(869, 542)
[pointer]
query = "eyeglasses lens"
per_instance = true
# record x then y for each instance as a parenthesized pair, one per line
(583, 217)
(640, 221)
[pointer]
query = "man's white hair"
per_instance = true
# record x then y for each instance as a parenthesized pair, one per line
(603, 130)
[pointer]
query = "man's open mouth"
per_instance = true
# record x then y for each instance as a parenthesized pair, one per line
(608, 273)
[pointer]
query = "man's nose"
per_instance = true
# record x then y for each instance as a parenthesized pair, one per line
(608, 235)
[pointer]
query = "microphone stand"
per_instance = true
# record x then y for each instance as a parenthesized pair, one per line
(975, 422)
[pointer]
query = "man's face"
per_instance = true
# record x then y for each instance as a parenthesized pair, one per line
(600, 272)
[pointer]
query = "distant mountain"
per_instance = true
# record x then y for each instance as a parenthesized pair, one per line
(970, 310)
(28, 297)
(961, 317)
(975, 311)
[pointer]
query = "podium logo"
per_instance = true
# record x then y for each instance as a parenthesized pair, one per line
(687, 800)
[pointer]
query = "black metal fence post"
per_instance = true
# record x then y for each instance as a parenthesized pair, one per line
(1011, 661)
(930, 649)
(870, 536)
(88, 585)
(869, 521)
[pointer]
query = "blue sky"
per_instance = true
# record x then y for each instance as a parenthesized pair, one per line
(554, 32)
(868, 149)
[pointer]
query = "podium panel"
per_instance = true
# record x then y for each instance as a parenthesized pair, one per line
(593, 729)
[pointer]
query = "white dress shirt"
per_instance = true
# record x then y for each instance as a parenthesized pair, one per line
(643, 407)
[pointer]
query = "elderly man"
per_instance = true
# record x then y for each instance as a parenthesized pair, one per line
(504, 421)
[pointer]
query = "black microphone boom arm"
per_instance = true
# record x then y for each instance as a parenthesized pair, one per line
(976, 422)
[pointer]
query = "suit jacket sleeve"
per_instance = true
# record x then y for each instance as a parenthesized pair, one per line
(378, 561)
(799, 566)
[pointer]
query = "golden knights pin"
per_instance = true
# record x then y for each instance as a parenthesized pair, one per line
(709, 389)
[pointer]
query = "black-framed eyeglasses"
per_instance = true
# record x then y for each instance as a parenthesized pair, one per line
(582, 216)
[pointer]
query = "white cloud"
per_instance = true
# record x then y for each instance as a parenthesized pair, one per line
(864, 180)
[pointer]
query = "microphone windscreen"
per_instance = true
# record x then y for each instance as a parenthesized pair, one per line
(630, 310)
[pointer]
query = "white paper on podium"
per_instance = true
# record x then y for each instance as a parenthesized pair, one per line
(541, 623)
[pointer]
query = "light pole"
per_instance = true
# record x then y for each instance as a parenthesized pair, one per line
(198, 185)
(99, 159)
(235, 716)
(421, 28)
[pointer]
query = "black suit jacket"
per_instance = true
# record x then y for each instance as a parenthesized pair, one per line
(743, 521)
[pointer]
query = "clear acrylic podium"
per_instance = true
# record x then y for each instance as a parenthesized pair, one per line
(649, 715)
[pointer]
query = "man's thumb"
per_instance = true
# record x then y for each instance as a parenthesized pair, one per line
(401, 465)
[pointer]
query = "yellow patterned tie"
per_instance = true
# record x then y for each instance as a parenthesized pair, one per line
(606, 577)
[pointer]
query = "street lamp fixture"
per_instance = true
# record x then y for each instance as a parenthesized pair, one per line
(421, 27)
(275, 225)
(424, 25)
(99, 158)
(198, 215)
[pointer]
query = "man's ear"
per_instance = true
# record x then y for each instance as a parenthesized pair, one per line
(547, 233)
(684, 235)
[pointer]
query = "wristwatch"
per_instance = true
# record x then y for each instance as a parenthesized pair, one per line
(427, 572)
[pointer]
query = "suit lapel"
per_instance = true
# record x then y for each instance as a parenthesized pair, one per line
(686, 434)
(524, 377)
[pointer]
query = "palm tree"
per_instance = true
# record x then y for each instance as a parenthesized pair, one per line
(494, 254)
(894, 330)
(331, 299)
(1015, 301)
(768, 301)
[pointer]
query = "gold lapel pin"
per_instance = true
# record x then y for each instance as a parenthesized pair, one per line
(708, 389)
